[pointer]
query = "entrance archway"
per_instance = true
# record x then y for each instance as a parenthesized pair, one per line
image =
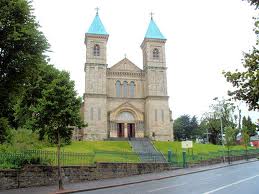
(125, 124)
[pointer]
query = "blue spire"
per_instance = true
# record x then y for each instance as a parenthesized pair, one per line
(97, 26)
(153, 31)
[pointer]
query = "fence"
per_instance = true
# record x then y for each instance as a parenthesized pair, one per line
(19, 159)
(189, 159)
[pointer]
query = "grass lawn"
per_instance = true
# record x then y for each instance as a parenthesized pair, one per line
(197, 148)
(102, 151)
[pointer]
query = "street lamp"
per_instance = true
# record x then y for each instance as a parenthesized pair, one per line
(221, 127)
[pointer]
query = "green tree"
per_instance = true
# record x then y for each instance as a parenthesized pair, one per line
(4, 130)
(21, 48)
(246, 83)
(230, 139)
(220, 112)
(249, 125)
(57, 112)
(245, 138)
(253, 2)
(185, 127)
(181, 126)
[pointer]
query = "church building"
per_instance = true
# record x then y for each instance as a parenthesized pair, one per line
(123, 100)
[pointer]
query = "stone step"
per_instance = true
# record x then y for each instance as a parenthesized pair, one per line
(146, 151)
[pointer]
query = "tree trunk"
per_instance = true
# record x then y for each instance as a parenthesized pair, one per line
(60, 183)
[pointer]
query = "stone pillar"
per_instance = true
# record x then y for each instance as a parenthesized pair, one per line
(125, 130)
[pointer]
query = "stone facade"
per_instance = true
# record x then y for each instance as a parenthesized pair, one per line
(124, 100)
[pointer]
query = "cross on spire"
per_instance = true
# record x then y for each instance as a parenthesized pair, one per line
(97, 9)
(151, 14)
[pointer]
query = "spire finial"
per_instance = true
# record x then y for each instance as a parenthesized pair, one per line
(97, 9)
(125, 55)
(151, 14)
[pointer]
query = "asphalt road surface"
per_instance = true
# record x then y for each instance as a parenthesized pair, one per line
(238, 179)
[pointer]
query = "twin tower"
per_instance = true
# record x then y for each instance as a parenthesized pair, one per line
(124, 101)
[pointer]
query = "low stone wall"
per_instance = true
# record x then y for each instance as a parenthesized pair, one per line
(35, 175)
(221, 160)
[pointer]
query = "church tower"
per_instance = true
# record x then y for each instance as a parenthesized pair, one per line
(157, 113)
(95, 96)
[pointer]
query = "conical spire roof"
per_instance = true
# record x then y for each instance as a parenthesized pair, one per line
(153, 31)
(97, 26)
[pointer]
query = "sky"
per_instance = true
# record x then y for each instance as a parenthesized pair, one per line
(204, 37)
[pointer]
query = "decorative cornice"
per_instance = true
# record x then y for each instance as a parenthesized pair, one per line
(96, 36)
(95, 65)
(112, 74)
(154, 68)
(94, 95)
(157, 97)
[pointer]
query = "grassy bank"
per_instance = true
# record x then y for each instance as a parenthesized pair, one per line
(104, 151)
(197, 148)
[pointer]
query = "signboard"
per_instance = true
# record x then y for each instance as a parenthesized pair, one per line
(186, 144)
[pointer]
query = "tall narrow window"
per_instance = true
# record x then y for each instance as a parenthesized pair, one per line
(118, 88)
(99, 114)
(132, 89)
(155, 114)
(125, 88)
(155, 53)
(96, 50)
(92, 113)
(162, 115)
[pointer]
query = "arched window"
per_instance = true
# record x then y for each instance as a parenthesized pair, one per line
(155, 53)
(132, 89)
(125, 88)
(125, 116)
(118, 88)
(96, 50)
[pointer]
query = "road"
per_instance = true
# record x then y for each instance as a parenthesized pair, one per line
(238, 179)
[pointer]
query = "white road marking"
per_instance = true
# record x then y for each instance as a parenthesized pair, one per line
(229, 185)
(158, 189)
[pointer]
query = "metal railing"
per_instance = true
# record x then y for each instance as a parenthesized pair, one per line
(190, 159)
(42, 157)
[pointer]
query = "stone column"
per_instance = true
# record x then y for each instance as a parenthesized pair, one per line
(125, 130)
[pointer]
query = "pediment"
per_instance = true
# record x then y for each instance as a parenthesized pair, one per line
(125, 65)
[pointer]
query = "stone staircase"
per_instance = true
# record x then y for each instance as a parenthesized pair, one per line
(146, 151)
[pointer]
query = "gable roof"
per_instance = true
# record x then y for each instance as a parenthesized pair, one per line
(153, 31)
(125, 65)
(97, 26)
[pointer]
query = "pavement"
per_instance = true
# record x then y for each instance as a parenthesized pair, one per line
(165, 180)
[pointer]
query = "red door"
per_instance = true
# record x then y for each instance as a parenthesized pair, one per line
(131, 130)
(120, 129)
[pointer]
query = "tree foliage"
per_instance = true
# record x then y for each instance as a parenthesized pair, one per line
(245, 137)
(22, 47)
(246, 83)
(185, 127)
(230, 136)
(253, 2)
(222, 110)
(50, 105)
(249, 126)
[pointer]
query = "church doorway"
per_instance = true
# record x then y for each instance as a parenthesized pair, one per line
(120, 129)
(131, 130)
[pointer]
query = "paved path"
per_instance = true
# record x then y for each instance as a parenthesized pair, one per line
(145, 179)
